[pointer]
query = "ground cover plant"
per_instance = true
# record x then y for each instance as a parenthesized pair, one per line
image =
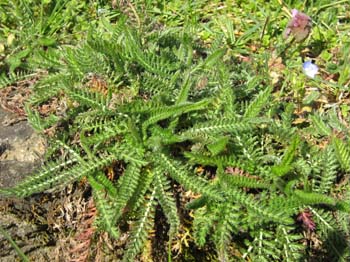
(197, 119)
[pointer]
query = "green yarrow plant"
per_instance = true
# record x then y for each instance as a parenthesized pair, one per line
(162, 104)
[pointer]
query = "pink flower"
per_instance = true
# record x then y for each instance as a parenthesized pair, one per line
(299, 26)
(306, 218)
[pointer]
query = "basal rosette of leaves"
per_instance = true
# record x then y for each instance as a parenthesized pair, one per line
(163, 105)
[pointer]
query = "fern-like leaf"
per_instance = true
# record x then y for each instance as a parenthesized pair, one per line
(106, 209)
(54, 174)
(257, 104)
(211, 160)
(215, 127)
(228, 216)
(141, 228)
(11, 78)
(321, 127)
(190, 182)
(203, 222)
(167, 202)
(314, 198)
(342, 152)
(258, 208)
(91, 99)
(336, 244)
(166, 112)
(327, 175)
(127, 185)
(243, 181)
(285, 166)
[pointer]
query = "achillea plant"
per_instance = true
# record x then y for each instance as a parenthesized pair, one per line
(132, 98)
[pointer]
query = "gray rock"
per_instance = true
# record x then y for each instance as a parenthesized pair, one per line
(20, 150)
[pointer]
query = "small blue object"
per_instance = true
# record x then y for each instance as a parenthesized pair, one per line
(310, 69)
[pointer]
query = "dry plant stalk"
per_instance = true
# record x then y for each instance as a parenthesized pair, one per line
(80, 250)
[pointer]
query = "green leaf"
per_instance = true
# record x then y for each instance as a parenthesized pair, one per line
(213, 58)
(167, 202)
(197, 203)
(311, 198)
(215, 127)
(172, 111)
(287, 159)
(189, 181)
(322, 128)
(258, 103)
(46, 41)
(311, 97)
(106, 209)
(342, 152)
(243, 181)
(218, 146)
(141, 228)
